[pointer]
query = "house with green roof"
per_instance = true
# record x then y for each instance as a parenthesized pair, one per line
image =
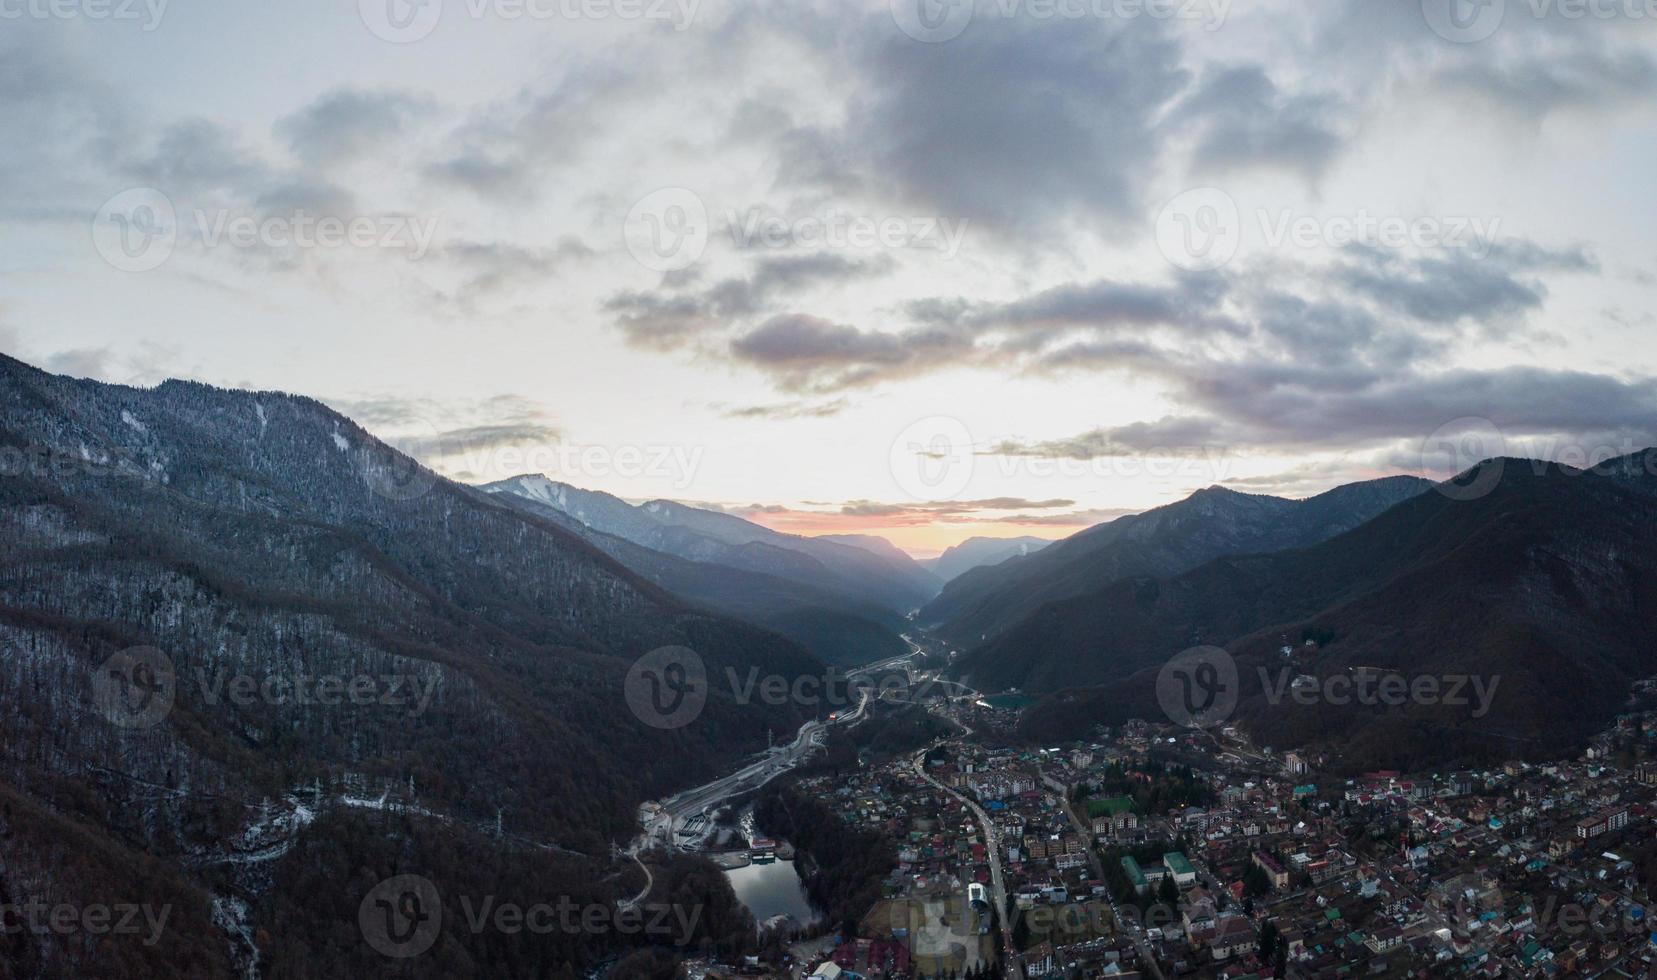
(1180, 867)
(1135, 874)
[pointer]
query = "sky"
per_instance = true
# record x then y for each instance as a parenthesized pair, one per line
(921, 268)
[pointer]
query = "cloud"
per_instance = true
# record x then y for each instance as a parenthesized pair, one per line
(872, 508)
(345, 125)
(1024, 126)
(1168, 436)
(433, 430)
(808, 353)
(1350, 320)
(506, 150)
(198, 157)
(1583, 79)
(786, 411)
(675, 315)
(1070, 519)
(1455, 284)
(452, 442)
(1261, 408)
(820, 517)
(1246, 122)
(483, 270)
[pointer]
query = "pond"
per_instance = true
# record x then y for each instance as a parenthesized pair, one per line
(770, 890)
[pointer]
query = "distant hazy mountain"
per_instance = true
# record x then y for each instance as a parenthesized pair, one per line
(984, 602)
(891, 580)
(837, 628)
(915, 571)
(265, 537)
(1544, 588)
(973, 552)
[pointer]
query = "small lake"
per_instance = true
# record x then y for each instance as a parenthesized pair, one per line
(772, 889)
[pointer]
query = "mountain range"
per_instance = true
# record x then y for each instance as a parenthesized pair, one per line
(232, 540)
(230, 536)
(1537, 587)
(990, 600)
(959, 559)
(802, 588)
